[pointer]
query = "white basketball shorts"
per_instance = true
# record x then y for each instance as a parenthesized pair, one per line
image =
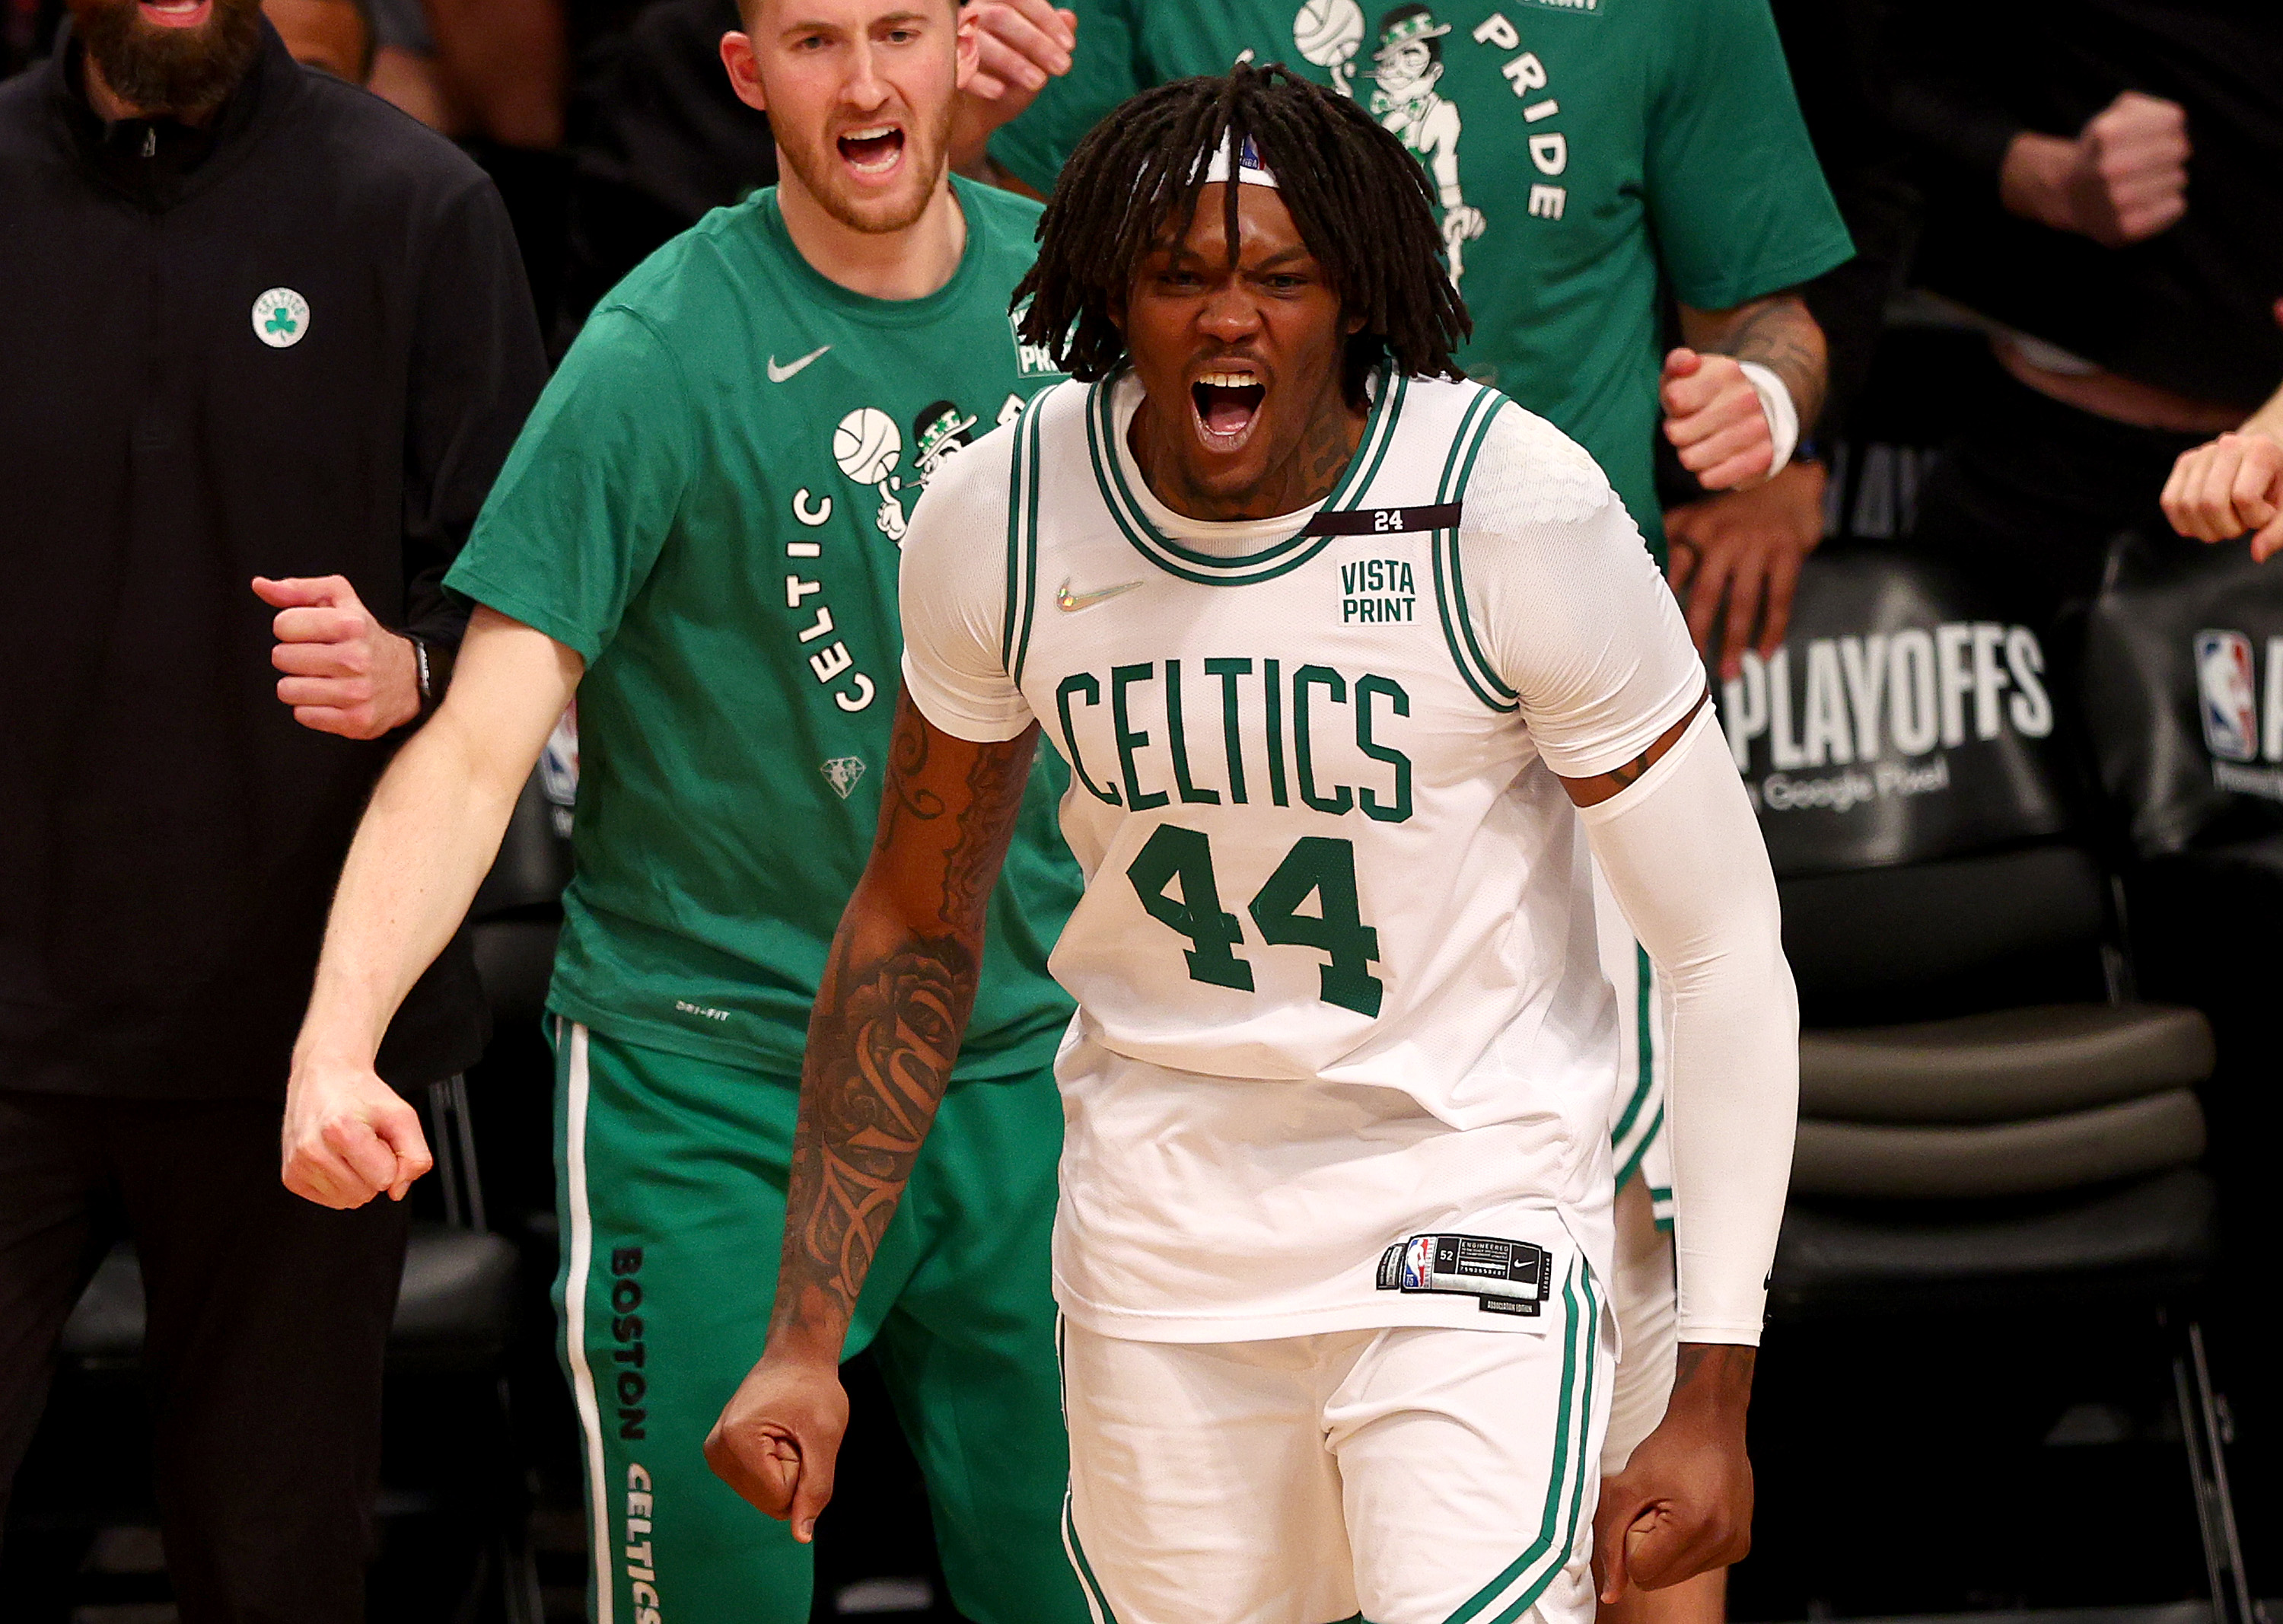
(1642, 1291)
(1648, 1314)
(1413, 1475)
(1638, 1144)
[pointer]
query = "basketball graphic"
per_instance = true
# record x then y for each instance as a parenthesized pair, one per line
(866, 445)
(1327, 34)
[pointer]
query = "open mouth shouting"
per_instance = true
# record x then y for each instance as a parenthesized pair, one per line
(1226, 400)
(873, 151)
(175, 14)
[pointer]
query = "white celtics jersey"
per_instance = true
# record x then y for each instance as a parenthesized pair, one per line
(1345, 1051)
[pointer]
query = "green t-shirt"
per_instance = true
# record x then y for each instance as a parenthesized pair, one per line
(1579, 147)
(707, 506)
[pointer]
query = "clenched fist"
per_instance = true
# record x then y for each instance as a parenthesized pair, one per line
(2123, 180)
(1683, 1504)
(779, 1437)
(345, 672)
(1713, 416)
(1020, 44)
(348, 1137)
(2232, 484)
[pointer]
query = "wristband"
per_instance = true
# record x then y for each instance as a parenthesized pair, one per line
(432, 664)
(1776, 406)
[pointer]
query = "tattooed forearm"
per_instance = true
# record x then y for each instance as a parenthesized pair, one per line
(994, 785)
(1719, 1366)
(1779, 334)
(898, 987)
(878, 1064)
(906, 792)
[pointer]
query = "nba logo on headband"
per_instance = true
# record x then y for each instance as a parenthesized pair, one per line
(1249, 170)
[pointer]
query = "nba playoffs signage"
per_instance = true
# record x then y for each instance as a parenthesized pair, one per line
(2183, 692)
(1898, 722)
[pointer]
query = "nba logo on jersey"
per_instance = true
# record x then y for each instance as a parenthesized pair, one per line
(2224, 679)
(1418, 1264)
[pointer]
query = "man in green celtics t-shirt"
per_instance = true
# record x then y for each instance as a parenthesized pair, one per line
(699, 531)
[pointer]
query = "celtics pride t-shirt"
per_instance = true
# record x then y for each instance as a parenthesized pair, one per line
(1579, 150)
(707, 506)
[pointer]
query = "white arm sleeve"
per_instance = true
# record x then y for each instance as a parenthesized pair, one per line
(953, 597)
(1683, 853)
(1573, 616)
(1569, 607)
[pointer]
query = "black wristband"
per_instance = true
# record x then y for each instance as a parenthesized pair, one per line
(432, 664)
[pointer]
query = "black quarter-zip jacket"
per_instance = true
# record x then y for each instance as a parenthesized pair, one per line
(297, 342)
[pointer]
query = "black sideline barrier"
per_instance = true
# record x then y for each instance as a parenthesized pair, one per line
(2183, 694)
(1991, 1122)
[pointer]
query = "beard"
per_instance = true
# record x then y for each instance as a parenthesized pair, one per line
(173, 71)
(817, 167)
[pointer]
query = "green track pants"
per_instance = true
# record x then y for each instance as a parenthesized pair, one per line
(671, 1176)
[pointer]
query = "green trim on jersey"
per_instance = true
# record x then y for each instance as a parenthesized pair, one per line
(1557, 1530)
(1208, 569)
(1632, 1161)
(1450, 589)
(1022, 544)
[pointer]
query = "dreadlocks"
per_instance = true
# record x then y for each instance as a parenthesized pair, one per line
(1360, 200)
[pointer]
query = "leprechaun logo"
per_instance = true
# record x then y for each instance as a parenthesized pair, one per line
(937, 433)
(1408, 68)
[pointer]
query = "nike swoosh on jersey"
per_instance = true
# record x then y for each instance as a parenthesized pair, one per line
(778, 374)
(1071, 603)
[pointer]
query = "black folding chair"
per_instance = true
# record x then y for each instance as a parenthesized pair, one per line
(1992, 1122)
(454, 1318)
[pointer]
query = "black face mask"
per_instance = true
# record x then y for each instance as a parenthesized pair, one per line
(177, 71)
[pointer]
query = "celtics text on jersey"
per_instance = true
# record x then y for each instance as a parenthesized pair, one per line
(1334, 963)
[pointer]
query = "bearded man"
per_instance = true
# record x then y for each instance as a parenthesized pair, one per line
(263, 344)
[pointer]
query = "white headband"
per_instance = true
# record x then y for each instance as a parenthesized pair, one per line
(1249, 170)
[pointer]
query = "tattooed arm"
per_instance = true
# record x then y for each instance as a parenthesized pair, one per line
(1779, 334)
(1593, 791)
(898, 987)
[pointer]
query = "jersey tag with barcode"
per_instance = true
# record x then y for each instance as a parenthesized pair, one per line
(1503, 1277)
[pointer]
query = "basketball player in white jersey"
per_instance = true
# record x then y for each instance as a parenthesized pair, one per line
(1352, 662)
